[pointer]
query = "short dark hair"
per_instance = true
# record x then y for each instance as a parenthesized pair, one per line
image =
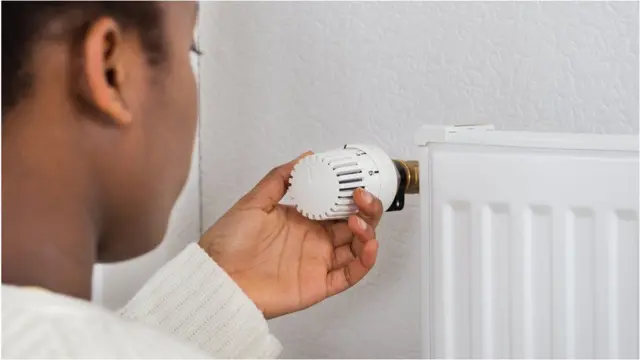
(25, 22)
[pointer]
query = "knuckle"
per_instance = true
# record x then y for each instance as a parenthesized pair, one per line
(273, 172)
(347, 275)
(378, 207)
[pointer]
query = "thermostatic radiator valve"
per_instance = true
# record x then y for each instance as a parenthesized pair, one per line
(322, 184)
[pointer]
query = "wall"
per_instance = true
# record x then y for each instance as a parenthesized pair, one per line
(279, 78)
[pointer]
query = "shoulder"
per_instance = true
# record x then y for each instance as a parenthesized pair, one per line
(41, 324)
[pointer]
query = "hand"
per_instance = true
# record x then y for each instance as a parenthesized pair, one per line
(285, 262)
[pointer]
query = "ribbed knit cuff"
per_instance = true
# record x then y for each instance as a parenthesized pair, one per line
(195, 300)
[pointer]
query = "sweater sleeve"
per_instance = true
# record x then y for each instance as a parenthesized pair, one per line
(195, 300)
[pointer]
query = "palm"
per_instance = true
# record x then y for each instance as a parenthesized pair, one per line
(285, 262)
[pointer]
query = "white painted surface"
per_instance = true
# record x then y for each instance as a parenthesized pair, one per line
(486, 135)
(281, 78)
(529, 252)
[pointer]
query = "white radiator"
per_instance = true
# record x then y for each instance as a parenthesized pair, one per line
(530, 244)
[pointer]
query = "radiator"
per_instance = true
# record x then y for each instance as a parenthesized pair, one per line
(530, 244)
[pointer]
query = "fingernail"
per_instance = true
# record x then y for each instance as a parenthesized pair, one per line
(367, 197)
(362, 224)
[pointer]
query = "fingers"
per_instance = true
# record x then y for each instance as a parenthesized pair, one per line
(339, 280)
(342, 256)
(353, 261)
(361, 228)
(370, 207)
(340, 232)
(270, 190)
(361, 231)
(370, 212)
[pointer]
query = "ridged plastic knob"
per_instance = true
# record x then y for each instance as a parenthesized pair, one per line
(322, 184)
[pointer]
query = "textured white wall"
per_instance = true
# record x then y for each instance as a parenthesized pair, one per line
(279, 78)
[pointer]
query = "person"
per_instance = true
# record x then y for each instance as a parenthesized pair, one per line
(98, 124)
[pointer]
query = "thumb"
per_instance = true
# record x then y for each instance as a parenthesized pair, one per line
(271, 189)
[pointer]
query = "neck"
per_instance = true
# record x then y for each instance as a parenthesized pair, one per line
(49, 234)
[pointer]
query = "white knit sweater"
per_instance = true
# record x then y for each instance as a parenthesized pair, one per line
(189, 309)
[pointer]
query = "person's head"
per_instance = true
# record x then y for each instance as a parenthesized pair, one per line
(107, 88)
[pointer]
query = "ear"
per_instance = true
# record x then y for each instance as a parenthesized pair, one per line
(105, 71)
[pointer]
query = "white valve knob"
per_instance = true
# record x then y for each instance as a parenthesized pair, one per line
(322, 184)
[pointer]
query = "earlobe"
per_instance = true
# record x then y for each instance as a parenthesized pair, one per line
(105, 71)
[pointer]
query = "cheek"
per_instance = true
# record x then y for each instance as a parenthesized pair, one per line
(193, 85)
(173, 127)
(186, 116)
(193, 61)
(190, 101)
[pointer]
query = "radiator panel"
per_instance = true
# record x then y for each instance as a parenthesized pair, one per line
(529, 252)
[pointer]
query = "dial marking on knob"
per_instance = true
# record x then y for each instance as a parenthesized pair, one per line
(348, 181)
(348, 172)
(337, 166)
(349, 188)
